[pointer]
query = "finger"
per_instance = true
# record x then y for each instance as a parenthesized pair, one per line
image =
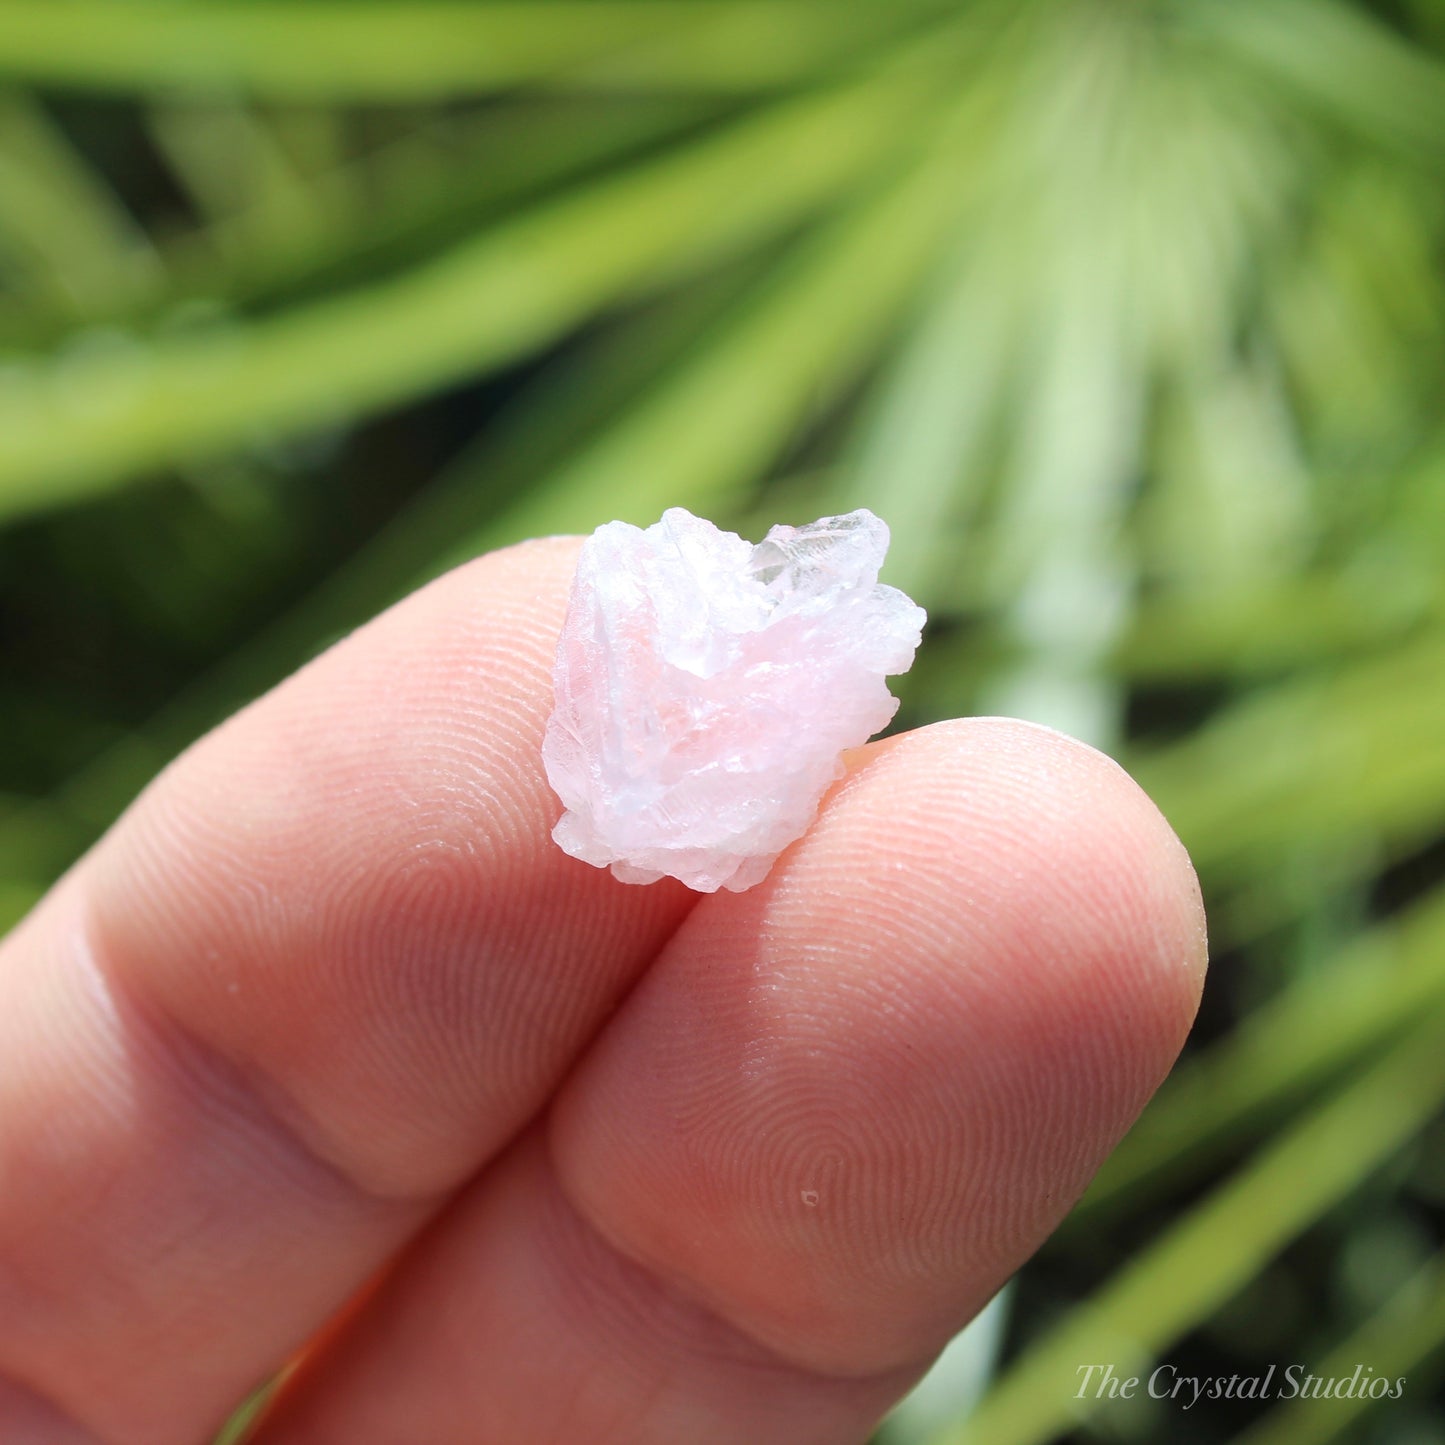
(328, 964)
(836, 1114)
(31, 1421)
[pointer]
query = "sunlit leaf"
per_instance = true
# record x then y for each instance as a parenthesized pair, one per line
(71, 427)
(1175, 1283)
(339, 50)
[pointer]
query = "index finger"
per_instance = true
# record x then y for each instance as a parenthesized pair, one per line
(323, 969)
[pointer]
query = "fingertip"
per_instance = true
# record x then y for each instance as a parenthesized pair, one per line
(845, 1105)
(1064, 813)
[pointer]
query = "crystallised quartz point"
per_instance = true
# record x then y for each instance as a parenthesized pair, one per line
(706, 689)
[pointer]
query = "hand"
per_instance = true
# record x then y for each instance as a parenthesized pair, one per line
(326, 1047)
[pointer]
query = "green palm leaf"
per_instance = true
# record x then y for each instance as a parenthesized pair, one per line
(1129, 319)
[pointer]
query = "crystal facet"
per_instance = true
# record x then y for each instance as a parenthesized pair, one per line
(707, 688)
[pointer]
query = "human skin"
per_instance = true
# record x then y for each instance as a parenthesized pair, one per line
(327, 1051)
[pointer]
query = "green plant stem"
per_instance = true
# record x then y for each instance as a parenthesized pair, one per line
(421, 193)
(1246, 788)
(68, 231)
(696, 437)
(1394, 1343)
(340, 50)
(1320, 1024)
(73, 430)
(559, 414)
(1340, 60)
(1177, 1282)
(720, 418)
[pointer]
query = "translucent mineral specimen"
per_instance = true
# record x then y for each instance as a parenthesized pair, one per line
(706, 689)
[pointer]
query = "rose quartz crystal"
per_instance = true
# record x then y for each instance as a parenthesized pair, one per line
(706, 689)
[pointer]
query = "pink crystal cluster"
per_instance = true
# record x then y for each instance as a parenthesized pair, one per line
(706, 689)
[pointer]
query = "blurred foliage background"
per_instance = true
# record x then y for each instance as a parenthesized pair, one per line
(1129, 317)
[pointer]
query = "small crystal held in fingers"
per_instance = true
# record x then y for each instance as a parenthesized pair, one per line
(706, 690)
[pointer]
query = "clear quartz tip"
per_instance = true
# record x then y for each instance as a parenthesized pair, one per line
(706, 689)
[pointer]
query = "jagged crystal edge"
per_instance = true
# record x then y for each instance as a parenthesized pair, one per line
(706, 689)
